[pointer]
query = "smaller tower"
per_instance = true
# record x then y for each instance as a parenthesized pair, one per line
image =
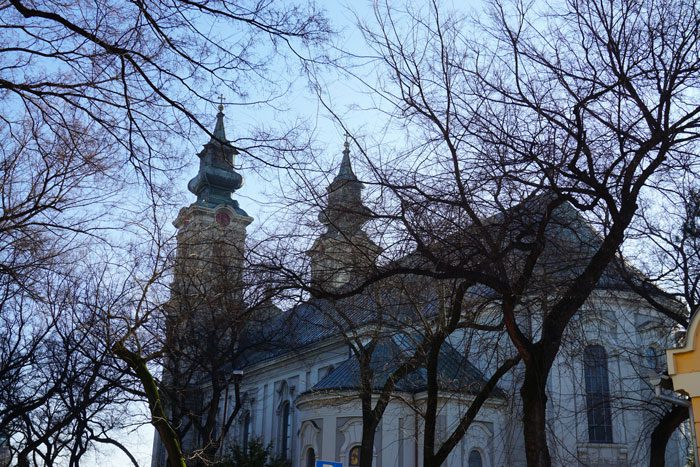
(344, 253)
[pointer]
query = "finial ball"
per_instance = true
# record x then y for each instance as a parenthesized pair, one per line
(221, 102)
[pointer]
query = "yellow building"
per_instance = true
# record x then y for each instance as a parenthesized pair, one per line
(684, 369)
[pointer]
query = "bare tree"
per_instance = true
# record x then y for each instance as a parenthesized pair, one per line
(137, 70)
(88, 89)
(62, 388)
(551, 118)
(58, 385)
(184, 321)
(668, 279)
(395, 318)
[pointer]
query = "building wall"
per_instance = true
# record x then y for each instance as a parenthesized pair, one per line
(331, 425)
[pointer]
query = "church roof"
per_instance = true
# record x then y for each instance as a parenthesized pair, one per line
(455, 372)
(571, 241)
(316, 320)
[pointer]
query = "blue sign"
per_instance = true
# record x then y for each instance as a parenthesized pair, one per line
(328, 464)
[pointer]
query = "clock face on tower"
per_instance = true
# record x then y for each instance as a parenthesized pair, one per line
(223, 218)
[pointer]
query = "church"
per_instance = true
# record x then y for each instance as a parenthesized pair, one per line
(301, 398)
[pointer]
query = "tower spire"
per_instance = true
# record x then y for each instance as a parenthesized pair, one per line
(345, 211)
(345, 172)
(219, 130)
(207, 293)
(344, 252)
(217, 178)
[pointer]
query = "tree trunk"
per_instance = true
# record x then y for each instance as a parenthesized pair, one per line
(662, 433)
(467, 419)
(367, 447)
(159, 418)
(534, 397)
(369, 423)
(211, 441)
(431, 406)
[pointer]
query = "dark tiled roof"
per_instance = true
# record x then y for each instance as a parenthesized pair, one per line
(315, 320)
(455, 373)
(571, 242)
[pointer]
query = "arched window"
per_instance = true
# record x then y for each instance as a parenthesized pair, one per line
(595, 362)
(475, 459)
(354, 457)
(310, 458)
(246, 431)
(286, 431)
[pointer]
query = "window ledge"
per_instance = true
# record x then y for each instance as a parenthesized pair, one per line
(602, 454)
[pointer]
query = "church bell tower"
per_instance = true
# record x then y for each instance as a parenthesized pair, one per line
(212, 230)
(344, 254)
(205, 314)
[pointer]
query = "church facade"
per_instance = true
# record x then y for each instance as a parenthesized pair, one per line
(302, 401)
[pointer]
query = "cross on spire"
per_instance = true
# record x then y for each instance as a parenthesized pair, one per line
(221, 102)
